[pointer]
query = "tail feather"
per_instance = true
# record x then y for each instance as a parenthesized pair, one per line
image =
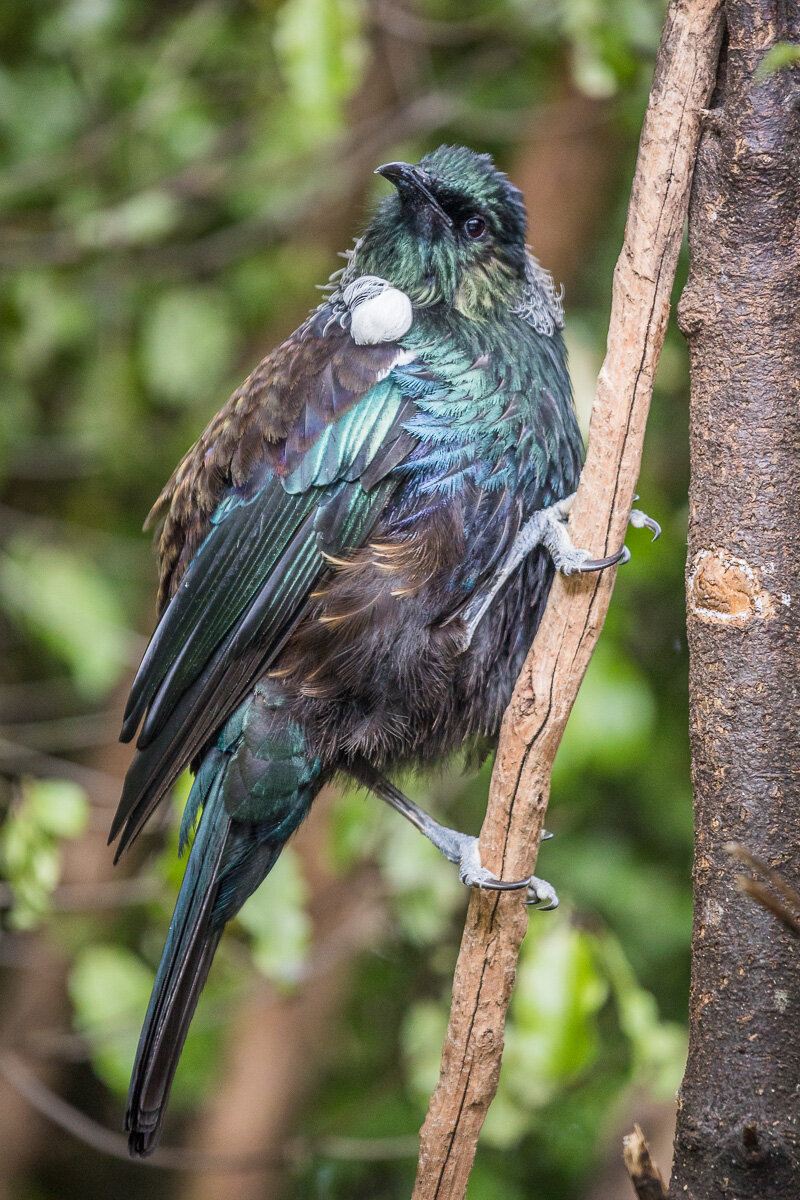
(185, 962)
(254, 789)
(158, 1058)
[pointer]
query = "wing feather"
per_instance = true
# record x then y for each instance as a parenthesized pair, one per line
(240, 589)
(233, 562)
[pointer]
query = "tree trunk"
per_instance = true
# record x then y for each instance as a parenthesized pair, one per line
(737, 1136)
(548, 683)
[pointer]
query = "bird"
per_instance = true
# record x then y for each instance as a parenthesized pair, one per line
(353, 561)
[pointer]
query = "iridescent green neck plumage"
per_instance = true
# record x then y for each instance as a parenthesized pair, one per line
(435, 275)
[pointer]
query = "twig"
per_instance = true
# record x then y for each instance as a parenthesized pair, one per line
(105, 1141)
(754, 888)
(535, 720)
(70, 734)
(408, 25)
(645, 1176)
(337, 179)
(95, 897)
(16, 759)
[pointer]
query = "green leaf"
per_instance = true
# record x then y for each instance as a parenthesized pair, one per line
(60, 596)
(80, 22)
(30, 853)
(483, 1185)
(321, 51)
(44, 868)
(109, 988)
(358, 828)
(141, 219)
(276, 918)
(658, 1047)
(53, 319)
(425, 885)
(553, 1036)
(59, 807)
(610, 726)
(640, 899)
(188, 340)
(41, 106)
(782, 54)
(593, 77)
(423, 1037)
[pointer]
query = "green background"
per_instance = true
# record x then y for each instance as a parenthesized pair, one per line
(174, 180)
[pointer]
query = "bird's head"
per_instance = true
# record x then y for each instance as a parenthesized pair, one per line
(453, 232)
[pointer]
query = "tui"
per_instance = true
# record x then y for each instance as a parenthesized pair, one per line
(354, 558)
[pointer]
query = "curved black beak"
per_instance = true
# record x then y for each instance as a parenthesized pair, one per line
(411, 184)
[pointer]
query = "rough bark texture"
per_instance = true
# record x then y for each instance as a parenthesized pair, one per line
(645, 1176)
(737, 1136)
(535, 720)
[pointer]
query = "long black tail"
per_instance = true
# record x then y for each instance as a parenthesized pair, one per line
(226, 864)
(254, 789)
(183, 969)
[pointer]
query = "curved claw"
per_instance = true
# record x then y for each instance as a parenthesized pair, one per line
(543, 896)
(537, 904)
(473, 873)
(640, 520)
(599, 564)
(490, 883)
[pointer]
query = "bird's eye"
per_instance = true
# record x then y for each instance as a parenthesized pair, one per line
(475, 227)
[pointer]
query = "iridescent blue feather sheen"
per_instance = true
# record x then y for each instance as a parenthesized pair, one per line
(319, 545)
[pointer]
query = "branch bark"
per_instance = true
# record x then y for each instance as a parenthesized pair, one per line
(785, 906)
(645, 1176)
(737, 1123)
(535, 720)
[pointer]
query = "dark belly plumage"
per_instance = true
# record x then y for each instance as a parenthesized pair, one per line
(379, 667)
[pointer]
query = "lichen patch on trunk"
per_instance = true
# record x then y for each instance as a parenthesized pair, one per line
(724, 589)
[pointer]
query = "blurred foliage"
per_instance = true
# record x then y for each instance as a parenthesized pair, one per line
(782, 54)
(109, 987)
(174, 180)
(43, 814)
(276, 918)
(70, 606)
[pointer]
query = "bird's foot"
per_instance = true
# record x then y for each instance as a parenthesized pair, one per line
(570, 559)
(567, 558)
(547, 527)
(472, 873)
(541, 895)
(457, 847)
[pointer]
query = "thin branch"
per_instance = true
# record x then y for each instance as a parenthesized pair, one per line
(336, 179)
(76, 1123)
(16, 759)
(647, 1180)
(786, 910)
(535, 720)
(411, 27)
(72, 733)
(95, 897)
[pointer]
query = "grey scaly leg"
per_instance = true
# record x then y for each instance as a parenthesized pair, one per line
(459, 848)
(548, 528)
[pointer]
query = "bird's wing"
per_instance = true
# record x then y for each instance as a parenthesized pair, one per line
(259, 502)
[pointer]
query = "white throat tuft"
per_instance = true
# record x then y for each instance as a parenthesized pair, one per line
(378, 311)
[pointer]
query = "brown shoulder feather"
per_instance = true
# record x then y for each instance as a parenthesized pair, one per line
(310, 379)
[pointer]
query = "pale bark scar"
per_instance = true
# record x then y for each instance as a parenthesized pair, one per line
(723, 589)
